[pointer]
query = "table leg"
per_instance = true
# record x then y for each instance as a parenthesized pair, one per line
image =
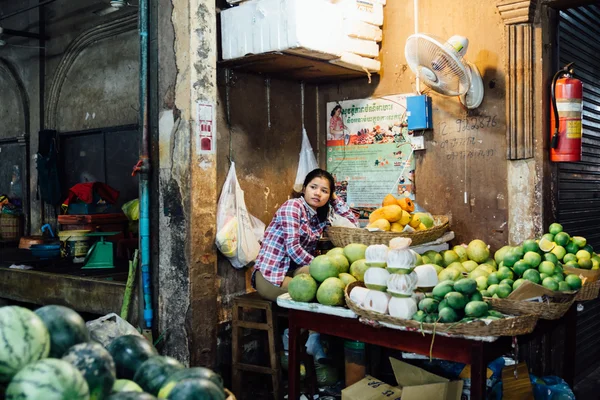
(478, 372)
(293, 361)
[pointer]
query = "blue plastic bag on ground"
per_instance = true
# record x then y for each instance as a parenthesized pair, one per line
(551, 388)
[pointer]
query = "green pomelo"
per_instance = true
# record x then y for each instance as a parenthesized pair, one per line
(546, 267)
(573, 281)
(520, 267)
(555, 228)
(331, 292)
(505, 273)
(426, 219)
(458, 266)
(469, 265)
(346, 278)
(336, 250)
(355, 252)
(530, 245)
(478, 251)
(562, 238)
(533, 259)
(340, 261)
(303, 287)
(500, 253)
(532, 275)
(550, 284)
(322, 267)
(461, 251)
(493, 278)
(358, 269)
(449, 274)
(564, 286)
(448, 257)
(441, 290)
(481, 283)
(503, 290)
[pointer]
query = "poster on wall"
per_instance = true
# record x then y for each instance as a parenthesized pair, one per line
(369, 151)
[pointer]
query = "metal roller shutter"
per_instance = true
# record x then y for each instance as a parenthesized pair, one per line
(579, 183)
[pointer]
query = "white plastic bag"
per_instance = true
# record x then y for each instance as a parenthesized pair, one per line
(105, 329)
(238, 233)
(307, 162)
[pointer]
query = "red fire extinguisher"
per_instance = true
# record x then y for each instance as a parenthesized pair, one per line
(566, 116)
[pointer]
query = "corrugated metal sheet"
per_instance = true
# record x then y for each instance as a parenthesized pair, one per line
(579, 183)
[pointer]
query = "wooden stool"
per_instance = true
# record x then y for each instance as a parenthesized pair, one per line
(272, 311)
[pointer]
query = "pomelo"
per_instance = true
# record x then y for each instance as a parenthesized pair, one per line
(500, 253)
(331, 292)
(355, 252)
(322, 267)
(449, 256)
(336, 250)
(340, 261)
(346, 278)
(469, 265)
(303, 288)
(462, 252)
(358, 269)
(478, 251)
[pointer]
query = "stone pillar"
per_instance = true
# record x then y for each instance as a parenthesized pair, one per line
(524, 119)
(186, 274)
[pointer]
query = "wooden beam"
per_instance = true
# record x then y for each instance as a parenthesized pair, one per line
(82, 294)
(563, 4)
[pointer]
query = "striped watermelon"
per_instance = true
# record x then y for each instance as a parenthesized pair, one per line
(129, 352)
(196, 389)
(23, 339)
(153, 373)
(190, 373)
(66, 328)
(131, 396)
(125, 385)
(97, 367)
(49, 379)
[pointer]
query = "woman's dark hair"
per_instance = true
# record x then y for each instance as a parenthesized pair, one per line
(322, 212)
(338, 107)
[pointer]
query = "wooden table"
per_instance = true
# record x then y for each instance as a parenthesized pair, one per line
(476, 353)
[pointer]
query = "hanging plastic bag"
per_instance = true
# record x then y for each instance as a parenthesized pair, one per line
(307, 162)
(238, 233)
(109, 327)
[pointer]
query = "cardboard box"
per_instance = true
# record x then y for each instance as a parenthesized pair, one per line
(530, 291)
(414, 383)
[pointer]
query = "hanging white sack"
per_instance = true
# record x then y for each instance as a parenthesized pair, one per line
(307, 162)
(238, 233)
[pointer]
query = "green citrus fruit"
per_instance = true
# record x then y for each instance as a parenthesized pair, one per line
(562, 238)
(559, 252)
(573, 281)
(532, 258)
(546, 267)
(530, 245)
(532, 275)
(555, 228)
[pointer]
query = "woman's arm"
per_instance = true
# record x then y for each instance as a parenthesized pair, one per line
(290, 214)
(342, 209)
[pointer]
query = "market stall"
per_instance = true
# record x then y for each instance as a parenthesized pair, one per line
(467, 304)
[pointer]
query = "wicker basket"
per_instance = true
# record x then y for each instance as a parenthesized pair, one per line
(545, 310)
(588, 291)
(342, 237)
(517, 325)
(230, 396)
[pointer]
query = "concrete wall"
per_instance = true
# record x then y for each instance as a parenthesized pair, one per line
(90, 79)
(443, 172)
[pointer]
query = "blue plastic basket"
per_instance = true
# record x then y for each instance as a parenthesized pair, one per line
(45, 250)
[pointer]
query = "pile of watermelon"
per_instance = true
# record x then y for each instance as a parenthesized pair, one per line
(47, 354)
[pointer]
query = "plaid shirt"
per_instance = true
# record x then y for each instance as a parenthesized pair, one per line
(292, 238)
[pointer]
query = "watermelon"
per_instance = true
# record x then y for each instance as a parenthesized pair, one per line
(153, 373)
(23, 339)
(66, 328)
(190, 373)
(96, 365)
(49, 379)
(196, 389)
(131, 396)
(129, 353)
(125, 385)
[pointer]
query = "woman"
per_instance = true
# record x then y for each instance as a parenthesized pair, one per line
(336, 124)
(291, 238)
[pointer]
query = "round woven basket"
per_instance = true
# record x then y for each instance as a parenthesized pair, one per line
(516, 325)
(544, 310)
(342, 237)
(589, 291)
